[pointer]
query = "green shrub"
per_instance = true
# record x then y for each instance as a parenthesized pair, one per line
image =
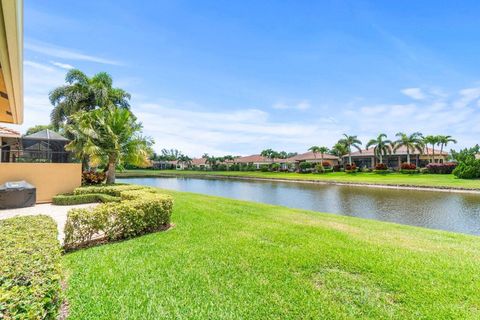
(71, 199)
(264, 167)
(30, 272)
(319, 168)
(468, 169)
(409, 171)
(112, 190)
(142, 210)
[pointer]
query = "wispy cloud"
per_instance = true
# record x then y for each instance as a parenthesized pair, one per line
(235, 132)
(301, 105)
(66, 54)
(414, 93)
(65, 66)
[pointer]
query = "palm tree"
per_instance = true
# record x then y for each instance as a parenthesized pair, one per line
(349, 142)
(339, 150)
(314, 150)
(322, 151)
(433, 140)
(81, 93)
(270, 154)
(381, 146)
(443, 141)
(410, 142)
(110, 136)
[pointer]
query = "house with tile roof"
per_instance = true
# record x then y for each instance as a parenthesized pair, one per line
(366, 158)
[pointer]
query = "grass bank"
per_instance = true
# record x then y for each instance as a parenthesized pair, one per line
(229, 259)
(444, 181)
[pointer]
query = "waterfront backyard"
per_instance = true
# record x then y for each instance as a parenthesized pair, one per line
(233, 259)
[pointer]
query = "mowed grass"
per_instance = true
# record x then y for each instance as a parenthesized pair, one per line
(421, 180)
(230, 259)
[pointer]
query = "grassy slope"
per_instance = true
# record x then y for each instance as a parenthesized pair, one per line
(425, 180)
(228, 259)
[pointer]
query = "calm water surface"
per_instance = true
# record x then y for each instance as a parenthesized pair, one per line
(459, 212)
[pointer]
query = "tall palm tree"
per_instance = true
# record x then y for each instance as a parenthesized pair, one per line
(110, 136)
(411, 142)
(433, 140)
(315, 150)
(381, 146)
(81, 93)
(339, 150)
(443, 141)
(270, 154)
(322, 151)
(349, 142)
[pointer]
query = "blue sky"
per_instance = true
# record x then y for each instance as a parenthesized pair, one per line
(237, 77)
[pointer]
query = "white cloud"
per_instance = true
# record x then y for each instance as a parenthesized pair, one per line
(301, 105)
(230, 132)
(467, 96)
(414, 93)
(67, 54)
(65, 66)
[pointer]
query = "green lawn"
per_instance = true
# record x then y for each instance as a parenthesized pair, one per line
(424, 180)
(229, 259)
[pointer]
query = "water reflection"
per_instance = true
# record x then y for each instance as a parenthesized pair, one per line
(458, 212)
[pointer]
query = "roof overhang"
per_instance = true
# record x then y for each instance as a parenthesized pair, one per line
(11, 61)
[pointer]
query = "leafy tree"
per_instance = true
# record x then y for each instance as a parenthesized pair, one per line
(339, 150)
(81, 93)
(411, 142)
(315, 150)
(349, 142)
(381, 146)
(465, 154)
(110, 136)
(168, 155)
(443, 141)
(38, 128)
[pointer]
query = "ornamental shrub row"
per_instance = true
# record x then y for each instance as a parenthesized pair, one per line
(30, 272)
(71, 199)
(140, 211)
(441, 168)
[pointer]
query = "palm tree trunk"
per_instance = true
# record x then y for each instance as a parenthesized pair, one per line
(381, 158)
(111, 170)
(321, 160)
(349, 158)
(433, 153)
(441, 152)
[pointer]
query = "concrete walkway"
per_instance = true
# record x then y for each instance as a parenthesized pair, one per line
(58, 213)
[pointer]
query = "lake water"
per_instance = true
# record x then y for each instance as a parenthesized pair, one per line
(459, 212)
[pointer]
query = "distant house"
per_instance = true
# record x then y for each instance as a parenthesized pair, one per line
(366, 158)
(315, 158)
(200, 163)
(257, 160)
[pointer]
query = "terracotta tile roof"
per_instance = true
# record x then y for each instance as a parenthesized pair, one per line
(9, 133)
(401, 151)
(256, 158)
(199, 162)
(310, 156)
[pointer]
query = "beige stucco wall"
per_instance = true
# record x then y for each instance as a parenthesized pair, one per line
(49, 178)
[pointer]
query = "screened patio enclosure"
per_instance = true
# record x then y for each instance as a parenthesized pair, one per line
(45, 146)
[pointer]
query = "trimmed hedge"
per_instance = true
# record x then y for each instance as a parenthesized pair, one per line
(112, 190)
(71, 199)
(141, 210)
(30, 272)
